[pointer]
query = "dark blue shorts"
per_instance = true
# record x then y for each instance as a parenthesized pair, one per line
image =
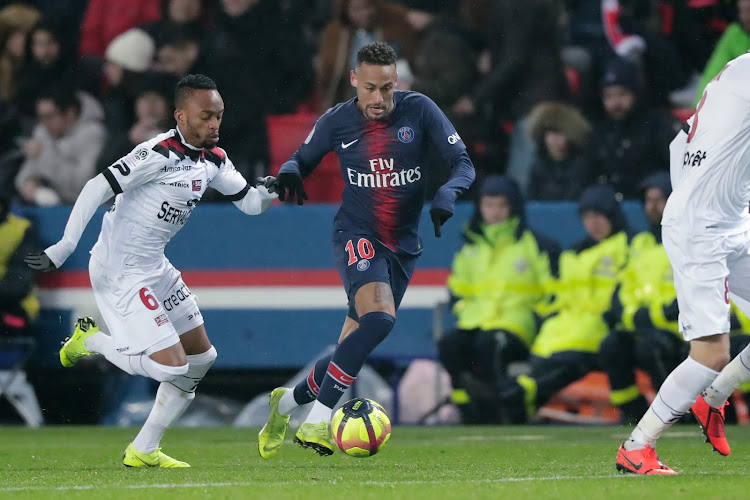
(362, 259)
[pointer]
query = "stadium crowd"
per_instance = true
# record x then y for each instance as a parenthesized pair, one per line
(556, 100)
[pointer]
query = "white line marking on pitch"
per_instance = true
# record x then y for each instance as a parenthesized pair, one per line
(371, 483)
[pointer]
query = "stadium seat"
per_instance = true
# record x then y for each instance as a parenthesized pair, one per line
(14, 386)
(285, 134)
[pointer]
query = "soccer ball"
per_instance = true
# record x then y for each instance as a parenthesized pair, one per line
(361, 427)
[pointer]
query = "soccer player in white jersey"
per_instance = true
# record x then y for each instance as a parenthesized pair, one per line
(706, 233)
(156, 328)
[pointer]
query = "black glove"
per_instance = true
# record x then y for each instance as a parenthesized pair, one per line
(269, 182)
(439, 216)
(671, 312)
(642, 320)
(39, 262)
(290, 183)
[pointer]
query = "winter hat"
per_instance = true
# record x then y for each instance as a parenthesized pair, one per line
(498, 185)
(602, 199)
(622, 72)
(559, 117)
(133, 50)
(658, 180)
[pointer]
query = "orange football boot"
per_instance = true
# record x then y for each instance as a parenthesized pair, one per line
(643, 461)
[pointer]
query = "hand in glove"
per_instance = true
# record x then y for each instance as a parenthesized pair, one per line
(39, 262)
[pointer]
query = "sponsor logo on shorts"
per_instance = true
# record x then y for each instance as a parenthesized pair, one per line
(363, 264)
(161, 319)
(123, 349)
(196, 315)
(177, 297)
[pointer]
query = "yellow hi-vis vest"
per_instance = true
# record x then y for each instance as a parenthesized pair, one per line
(12, 232)
(582, 294)
(498, 280)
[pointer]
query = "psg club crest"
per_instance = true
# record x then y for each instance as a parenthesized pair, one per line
(363, 264)
(405, 135)
(197, 184)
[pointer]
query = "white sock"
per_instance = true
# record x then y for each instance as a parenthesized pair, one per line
(169, 405)
(319, 413)
(287, 403)
(673, 400)
(138, 364)
(736, 373)
(172, 399)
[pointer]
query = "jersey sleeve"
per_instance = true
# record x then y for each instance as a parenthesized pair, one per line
(140, 166)
(230, 182)
(313, 149)
(440, 131)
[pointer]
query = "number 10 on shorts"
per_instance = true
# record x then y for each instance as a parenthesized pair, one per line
(364, 249)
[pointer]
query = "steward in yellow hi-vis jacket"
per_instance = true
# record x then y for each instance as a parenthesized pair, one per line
(498, 278)
(18, 302)
(644, 313)
(568, 341)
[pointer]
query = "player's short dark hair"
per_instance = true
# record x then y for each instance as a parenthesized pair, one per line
(377, 53)
(190, 83)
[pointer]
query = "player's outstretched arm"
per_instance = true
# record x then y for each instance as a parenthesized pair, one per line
(257, 199)
(289, 182)
(94, 193)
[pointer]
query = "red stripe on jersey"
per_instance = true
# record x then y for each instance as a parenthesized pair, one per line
(173, 143)
(340, 375)
(311, 382)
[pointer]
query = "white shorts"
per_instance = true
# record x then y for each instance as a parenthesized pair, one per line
(706, 269)
(145, 312)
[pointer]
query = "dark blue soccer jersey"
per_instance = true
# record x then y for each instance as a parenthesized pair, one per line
(384, 166)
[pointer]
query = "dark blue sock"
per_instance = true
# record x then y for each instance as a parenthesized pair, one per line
(307, 390)
(351, 354)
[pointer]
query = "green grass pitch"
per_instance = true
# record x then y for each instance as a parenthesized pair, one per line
(418, 463)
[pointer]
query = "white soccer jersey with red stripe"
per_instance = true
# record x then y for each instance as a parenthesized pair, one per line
(710, 165)
(158, 185)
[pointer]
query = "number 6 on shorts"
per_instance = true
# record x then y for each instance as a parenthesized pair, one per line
(148, 299)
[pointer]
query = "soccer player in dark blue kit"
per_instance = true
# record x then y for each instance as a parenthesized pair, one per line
(381, 138)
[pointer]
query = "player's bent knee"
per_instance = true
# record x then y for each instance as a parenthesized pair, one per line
(165, 373)
(198, 366)
(379, 323)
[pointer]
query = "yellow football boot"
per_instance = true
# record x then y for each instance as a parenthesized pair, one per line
(271, 436)
(315, 436)
(134, 458)
(74, 347)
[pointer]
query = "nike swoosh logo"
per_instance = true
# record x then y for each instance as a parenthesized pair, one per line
(636, 467)
(344, 146)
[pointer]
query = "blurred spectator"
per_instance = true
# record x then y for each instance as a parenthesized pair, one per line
(62, 152)
(560, 132)
(498, 277)
(568, 341)
(15, 23)
(19, 305)
(48, 64)
(128, 58)
(356, 23)
(632, 139)
(153, 115)
(179, 51)
(183, 14)
(258, 58)
(644, 312)
(105, 19)
(733, 43)
(526, 68)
